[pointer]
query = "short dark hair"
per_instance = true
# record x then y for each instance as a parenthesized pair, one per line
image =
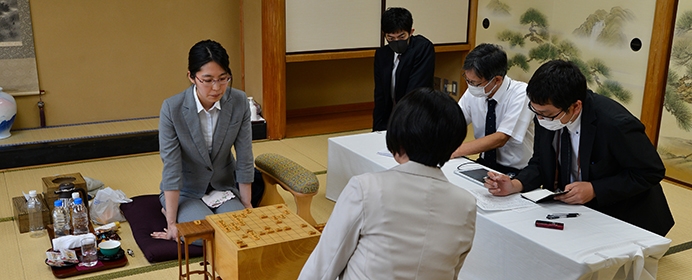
(204, 52)
(487, 61)
(396, 19)
(557, 82)
(427, 125)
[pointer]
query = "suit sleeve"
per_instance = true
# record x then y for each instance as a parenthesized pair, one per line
(245, 168)
(639, 167)
(340, 236)
(530, 176)
(423, 67)
(378, 113)
(169, 149)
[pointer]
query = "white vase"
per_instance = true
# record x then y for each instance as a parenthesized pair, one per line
(8, 111)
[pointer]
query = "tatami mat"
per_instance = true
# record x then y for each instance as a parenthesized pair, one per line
(56, 133)
(23, 256)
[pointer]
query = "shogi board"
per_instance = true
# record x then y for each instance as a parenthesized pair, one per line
(269, 242)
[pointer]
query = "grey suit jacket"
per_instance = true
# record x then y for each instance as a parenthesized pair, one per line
(187, 164)
(408, 222)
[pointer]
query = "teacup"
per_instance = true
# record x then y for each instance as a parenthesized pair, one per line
(109, 247)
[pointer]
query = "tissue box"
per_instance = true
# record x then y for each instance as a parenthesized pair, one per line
(51, 184)
(22, 216)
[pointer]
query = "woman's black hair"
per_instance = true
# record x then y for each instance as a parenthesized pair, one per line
(204, 52)
(426, 125)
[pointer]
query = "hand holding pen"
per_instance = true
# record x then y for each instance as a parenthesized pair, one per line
(501, 184)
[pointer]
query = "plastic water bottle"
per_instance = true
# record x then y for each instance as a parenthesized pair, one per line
(70, 204)
(34, 209)
(61, 222)
(255, 109)
(80, 219)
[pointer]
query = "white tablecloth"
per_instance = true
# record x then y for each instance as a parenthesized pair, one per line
(507, 244)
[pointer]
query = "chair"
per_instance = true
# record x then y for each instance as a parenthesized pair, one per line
(300, 182)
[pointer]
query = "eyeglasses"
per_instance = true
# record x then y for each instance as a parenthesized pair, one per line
(212, 82)
(476, 84)
(544, 116)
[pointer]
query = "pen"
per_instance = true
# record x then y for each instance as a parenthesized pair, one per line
(562, 215)
(510, 175)
(548, 224)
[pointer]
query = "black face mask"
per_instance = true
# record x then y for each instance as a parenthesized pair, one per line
(399, 46)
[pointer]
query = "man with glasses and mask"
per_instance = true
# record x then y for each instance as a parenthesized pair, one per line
(591, 147)
(407, 62)
(496, 107)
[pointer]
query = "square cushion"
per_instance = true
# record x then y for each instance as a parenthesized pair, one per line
(144, 216)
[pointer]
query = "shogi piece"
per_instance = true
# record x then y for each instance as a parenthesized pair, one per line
(269, 242)
(21, 215)
(51, 184)
(191, 231)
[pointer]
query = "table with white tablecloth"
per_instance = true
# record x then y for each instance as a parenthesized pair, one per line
(507, 243)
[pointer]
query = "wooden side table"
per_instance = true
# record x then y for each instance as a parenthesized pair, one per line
(191, 231)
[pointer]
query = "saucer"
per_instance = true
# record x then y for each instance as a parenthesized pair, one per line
(119, 255)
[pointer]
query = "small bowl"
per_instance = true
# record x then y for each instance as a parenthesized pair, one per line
(109, 247)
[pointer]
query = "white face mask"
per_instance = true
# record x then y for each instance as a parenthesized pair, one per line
(555, 124)
(480, 91)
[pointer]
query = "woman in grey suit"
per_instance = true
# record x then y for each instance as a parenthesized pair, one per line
(408, 222)
(197, 129)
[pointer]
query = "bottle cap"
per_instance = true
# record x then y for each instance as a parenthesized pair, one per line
(75, 195)
(32, 193)
(57, 203)
(78, 200)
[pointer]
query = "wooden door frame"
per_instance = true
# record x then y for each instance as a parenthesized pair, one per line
(657, 67)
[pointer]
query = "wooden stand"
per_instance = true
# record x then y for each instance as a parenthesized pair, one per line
(191, 231)
(262, 243)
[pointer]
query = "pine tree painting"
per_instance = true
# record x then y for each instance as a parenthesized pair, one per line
(544, 46)
(676, 151)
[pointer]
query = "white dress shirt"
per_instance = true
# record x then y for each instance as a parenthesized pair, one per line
(513, 119)
(207, 119)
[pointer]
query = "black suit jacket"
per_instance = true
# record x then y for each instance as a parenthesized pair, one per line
(616, 157)
(416, 69)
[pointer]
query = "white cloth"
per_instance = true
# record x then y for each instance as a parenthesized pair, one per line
(408, 222)
(207, 119)
(216, 198)
(513, 119)
(507, 244)
(70, 241)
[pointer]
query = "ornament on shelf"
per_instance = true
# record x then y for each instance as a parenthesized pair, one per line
(8, 111)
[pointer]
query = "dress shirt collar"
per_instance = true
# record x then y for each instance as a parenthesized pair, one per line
(501, 92)
(200, 108)
(575, 126)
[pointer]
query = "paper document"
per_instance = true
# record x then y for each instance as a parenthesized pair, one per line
(540, 195)
(385, 152)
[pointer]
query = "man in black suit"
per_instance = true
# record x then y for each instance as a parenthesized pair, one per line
(406, 63)
(612, 167)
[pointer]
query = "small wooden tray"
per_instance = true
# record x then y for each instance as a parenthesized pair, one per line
(62, 272)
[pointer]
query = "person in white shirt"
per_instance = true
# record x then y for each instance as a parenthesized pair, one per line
(505, 136)
(408, 222)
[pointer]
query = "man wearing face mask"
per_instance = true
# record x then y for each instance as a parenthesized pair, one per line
(407, 62)
(496, 106)
(591, 147)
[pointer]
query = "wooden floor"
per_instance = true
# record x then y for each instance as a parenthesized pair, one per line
(328, 123)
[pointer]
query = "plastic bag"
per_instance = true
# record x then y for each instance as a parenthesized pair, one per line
(105, 208)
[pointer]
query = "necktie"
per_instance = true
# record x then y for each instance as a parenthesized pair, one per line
(396, 63)
(490, 157)
(565, 158)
